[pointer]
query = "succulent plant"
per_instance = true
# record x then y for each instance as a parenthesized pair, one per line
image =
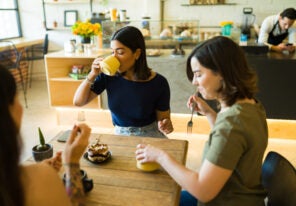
(42, 146)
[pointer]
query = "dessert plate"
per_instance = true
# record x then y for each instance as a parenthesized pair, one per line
(99, 161)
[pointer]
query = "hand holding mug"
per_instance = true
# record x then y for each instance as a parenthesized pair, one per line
(109, 65)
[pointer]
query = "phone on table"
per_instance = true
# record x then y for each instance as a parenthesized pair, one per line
(64, 136)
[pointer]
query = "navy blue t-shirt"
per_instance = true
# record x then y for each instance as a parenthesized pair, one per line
(134, 104)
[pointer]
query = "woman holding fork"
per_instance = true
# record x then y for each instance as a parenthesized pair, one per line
(230, 173)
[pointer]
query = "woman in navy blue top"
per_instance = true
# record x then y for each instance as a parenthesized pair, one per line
(138, 97)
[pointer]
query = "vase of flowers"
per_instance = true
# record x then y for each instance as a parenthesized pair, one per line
(86, 30)
(85, 40)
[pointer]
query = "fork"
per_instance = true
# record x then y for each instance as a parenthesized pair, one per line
(190, 122)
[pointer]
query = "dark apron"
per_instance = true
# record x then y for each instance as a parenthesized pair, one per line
(275, 40)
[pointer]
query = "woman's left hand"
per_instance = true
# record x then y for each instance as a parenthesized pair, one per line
(55, 162)
(147, 153)
(165, 126)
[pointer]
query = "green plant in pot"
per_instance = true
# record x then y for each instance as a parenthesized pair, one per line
(43, 150)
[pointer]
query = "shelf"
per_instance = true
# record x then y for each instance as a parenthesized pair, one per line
(226, 4)
(65, 79)
(59, 28)
(66, 2)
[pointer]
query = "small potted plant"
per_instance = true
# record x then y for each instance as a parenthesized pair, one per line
(43, 150)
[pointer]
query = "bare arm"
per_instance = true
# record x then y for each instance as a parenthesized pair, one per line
(83, 94)
(204, 185)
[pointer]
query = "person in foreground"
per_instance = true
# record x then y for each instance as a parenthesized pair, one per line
(230, 172)
(35, 184)
(138, 97)
(275, 29)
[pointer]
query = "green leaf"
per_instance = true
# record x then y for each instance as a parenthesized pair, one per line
(41, 137)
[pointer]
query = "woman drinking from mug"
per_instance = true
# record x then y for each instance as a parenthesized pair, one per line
(138, 97)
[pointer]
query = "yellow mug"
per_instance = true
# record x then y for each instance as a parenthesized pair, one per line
(148, 166)
(109, 65)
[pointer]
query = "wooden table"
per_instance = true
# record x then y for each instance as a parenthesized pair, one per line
(119, 182)
(24, 42)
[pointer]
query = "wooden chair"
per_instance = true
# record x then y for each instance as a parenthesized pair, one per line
(279, 179)
(33, 53)
(10, 57)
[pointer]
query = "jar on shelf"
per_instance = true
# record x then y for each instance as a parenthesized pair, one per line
(122, 15)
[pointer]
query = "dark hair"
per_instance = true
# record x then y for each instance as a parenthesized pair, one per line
(290, 13)
(132, 38)
(223, 56)
(11, 189)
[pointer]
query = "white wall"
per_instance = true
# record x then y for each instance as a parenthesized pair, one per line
(32, 15)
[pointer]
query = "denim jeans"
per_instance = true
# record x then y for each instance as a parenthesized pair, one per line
(187, 199)
(150, 130)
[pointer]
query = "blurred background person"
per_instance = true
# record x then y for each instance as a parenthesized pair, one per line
(278, 31)
(35, 184)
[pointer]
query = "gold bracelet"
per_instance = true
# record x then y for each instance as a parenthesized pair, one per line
(89, 81)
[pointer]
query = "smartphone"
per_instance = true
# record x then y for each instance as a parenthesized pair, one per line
(64, 136)
(289, 44)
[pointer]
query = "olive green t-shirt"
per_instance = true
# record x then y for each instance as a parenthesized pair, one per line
(237, 142)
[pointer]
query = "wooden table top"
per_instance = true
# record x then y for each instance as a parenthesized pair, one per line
(118, 181)
(23, 42)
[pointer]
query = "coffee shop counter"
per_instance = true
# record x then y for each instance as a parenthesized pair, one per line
(276, 72)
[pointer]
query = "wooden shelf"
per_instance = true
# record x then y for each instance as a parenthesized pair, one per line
(226, 4)
(66, 79)
(59, 28)
(61, 87)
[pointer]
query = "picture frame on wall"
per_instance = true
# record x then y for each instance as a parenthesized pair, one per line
(70, 17)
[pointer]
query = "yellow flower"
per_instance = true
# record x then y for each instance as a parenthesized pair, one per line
(224, 23)
(86, 29)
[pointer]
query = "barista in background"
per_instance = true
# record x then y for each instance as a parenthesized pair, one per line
(275, 29)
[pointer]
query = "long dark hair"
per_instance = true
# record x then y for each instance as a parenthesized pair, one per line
(132, 38)
(11, 189)
(223, 56)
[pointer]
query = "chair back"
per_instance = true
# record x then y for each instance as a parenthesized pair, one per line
(9, 55)
(37, 52)
(279, 179)
(45, 44)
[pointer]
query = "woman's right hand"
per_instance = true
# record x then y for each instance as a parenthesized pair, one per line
(95, 68)
(198, 105)
(77, 143)
(203, 108)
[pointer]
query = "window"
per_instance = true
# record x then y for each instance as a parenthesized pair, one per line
(10, 19)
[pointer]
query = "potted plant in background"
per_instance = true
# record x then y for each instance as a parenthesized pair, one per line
(43, 150)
